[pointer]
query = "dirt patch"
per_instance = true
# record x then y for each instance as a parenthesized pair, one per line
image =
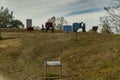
(10, 43)
(3, 78)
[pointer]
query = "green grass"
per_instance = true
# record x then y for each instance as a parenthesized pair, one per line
(92, 57)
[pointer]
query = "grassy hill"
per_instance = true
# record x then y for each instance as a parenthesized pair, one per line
(92, 57)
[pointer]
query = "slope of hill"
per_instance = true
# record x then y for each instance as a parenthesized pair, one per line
(92, 57)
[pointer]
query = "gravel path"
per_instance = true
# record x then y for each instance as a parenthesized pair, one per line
(3, 78)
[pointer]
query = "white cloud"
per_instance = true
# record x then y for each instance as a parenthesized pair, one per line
(41, 10)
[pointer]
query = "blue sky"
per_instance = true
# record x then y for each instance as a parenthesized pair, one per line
(39, 11)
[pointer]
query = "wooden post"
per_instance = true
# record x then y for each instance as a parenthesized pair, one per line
(45, 72)
(0, 33)
(60, 72)
(76, 35)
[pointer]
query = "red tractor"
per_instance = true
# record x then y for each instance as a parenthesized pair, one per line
(49, 26)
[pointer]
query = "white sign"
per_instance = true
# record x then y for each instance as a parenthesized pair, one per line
(52, 63)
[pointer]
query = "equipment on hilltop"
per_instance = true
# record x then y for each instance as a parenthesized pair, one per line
(94, 28)
(30, 29)
(77, 26)
(29, 25)
(49, 26)
(67, 28)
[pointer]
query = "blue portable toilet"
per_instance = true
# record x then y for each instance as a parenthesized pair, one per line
(67, 28)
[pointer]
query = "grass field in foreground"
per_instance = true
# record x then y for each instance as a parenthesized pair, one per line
(92, 57)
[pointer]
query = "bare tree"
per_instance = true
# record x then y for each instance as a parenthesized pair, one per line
(57, 22)
(60, 22)
(106, 28)
(113, 10)
(105, 24)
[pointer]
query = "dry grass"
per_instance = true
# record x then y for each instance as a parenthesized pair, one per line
(92, 57)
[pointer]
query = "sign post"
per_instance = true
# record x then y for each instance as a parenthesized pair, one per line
(76, 35)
